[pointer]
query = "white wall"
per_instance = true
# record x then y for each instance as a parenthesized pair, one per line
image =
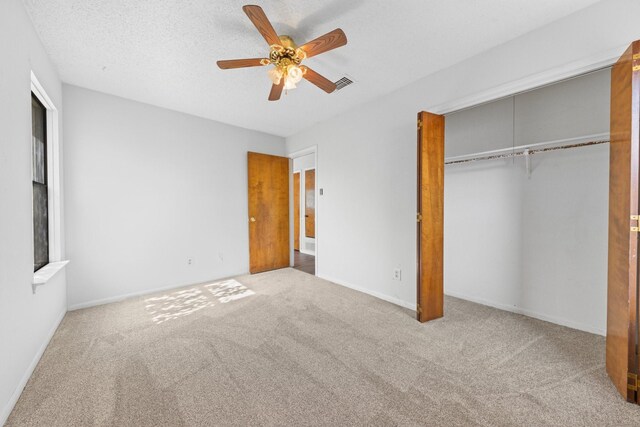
(368, 156)
(301, 164)
(149, 189)
(534, 245)
(27, 320)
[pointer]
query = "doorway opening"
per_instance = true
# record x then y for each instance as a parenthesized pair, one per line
(304, 207)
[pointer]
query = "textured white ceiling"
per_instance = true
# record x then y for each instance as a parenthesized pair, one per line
(163, 52)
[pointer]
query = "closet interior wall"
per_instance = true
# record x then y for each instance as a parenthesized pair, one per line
(533, 243)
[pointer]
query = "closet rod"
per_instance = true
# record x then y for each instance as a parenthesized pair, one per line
(525, 152)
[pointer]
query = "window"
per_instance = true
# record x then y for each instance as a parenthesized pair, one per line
(40, 184)
(46, 184)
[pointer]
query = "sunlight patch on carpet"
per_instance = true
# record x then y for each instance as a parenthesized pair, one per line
(229, 290)
(184, 302)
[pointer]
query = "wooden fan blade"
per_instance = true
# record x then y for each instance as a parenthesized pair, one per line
(276, 91)
(322, 82)
(241, 63)
(329, 41)
(260, 20)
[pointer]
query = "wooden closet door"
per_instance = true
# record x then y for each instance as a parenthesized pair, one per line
(268, 212)
(430, 239)
(622, 292)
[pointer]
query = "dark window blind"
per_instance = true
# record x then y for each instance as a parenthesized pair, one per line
(40, 188)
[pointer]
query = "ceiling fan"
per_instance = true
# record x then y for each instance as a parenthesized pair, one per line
(286, 56)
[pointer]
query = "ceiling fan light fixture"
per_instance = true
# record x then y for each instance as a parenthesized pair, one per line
(294, 73)
(289, 84)
(275, 74)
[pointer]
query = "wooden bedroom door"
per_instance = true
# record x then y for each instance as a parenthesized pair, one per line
(268, 178)
(430, 229)
(622, 287)
(310, 203)
(296, 211)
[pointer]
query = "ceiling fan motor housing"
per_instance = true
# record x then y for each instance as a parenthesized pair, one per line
(287, 53)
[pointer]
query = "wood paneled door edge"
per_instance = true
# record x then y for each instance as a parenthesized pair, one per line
(310, 213)
(632, 374)
(633, 368)
(296, 210)
(624, 176)
(430, 217)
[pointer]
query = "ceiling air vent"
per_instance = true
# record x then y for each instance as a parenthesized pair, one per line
(343, 82)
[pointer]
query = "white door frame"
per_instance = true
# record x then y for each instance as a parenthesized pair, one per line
(300, 153)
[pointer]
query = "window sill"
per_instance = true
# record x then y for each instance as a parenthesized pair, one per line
(45, 274)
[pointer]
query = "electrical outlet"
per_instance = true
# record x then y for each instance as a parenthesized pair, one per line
(397, 274)
(189, 261)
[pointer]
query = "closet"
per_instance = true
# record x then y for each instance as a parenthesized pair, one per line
(528, 232)
(540, 209)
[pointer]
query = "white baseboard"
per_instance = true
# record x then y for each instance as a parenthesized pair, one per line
(396, 301)
(32, 366)
(529, 313)
(122, 297)
(513, 309)
(304, 251)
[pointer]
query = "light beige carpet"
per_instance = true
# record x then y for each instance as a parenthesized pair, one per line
(286, 348)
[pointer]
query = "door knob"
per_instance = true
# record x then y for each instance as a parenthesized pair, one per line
(252, 219)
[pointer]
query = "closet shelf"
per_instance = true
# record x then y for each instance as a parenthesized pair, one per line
(526, 150)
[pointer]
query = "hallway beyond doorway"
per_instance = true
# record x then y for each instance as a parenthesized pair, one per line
(304, 262)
